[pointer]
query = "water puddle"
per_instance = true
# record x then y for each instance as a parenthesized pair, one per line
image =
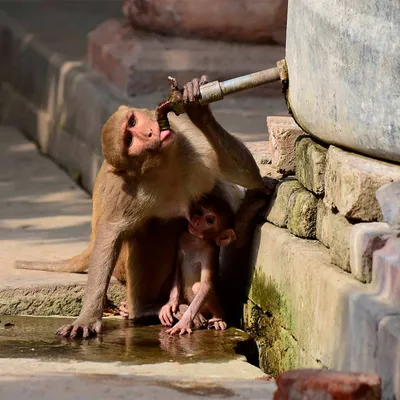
(34, 337)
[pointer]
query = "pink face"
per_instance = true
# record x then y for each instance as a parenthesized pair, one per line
(141, 133)
(204, 221)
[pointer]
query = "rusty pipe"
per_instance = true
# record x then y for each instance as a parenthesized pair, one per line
(216, 90)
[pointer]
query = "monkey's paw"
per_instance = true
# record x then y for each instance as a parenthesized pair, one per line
(217, 323)
(166, 313)
(84, 329)
(123, 310)
(181, 328)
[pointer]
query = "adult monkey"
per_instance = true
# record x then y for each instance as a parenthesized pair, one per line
(150, 175)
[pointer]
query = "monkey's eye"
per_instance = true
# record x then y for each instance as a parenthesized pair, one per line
(132, 121)
(198, 212)
(128, 139)
(210, 220)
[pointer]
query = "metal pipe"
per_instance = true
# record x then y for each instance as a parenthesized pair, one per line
(215, 91)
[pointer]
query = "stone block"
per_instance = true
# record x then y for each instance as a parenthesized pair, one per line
(283, 133)
(278, 210)
(304, 296)
(388, 356)
(319, 384)
(388, 197)
(386, 269)
(111, 51)
(302, 214)
(310, 164)
(333, 231)
(351, 182)
(365, 238)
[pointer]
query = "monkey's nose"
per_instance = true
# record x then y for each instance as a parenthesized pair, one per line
(150, 134)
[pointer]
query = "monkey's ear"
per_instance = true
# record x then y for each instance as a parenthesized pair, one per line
(226, 237)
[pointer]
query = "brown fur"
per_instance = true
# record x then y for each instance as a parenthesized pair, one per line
(136, 210)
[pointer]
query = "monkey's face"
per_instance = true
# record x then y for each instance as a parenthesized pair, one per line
(131, 136)
(209, 224)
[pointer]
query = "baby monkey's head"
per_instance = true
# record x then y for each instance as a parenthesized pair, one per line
(212, 219)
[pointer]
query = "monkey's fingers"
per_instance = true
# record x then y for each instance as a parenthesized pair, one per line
(185, 330)
(203, 80)
(64, 331)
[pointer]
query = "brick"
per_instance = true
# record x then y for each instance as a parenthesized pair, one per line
(351, 182)
(365, 238)
(111, 51)
(278, 210)
(283, 133)
(333, 231)
(386, 269)
(310, 164)
(327, 384)
(302, 215)
(388, 197)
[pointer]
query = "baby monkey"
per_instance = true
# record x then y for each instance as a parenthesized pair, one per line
(211, 223)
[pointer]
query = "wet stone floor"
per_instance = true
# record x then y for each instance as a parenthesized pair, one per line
(34, 337)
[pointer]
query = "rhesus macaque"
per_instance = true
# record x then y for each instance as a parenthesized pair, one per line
(211, 225)
(145, 186)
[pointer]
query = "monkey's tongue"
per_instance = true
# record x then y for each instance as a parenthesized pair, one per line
(164, 134)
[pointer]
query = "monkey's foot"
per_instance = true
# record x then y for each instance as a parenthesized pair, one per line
(217, 323)
(199, 322)
(77, 329)
(182, 327)
(123, 310)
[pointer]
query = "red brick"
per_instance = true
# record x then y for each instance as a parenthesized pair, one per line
(327, 384)
(283, 132)
(111, 51)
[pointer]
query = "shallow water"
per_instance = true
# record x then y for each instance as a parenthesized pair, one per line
(34, 337)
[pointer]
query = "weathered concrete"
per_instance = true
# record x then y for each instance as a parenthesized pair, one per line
(302, 214)
(370, 339)
(333, 230)
(365, 238)
(283, 132)
(305, 312)
(281, 203)
(304, 301)
(310, 164)
(343, 62)
(351, 182)
(388, 198)
(386, 269)
(388, 355)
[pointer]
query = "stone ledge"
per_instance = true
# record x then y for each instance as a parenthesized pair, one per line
(50, 299)
(329, 315)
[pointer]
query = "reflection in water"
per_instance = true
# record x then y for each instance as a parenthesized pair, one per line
(121, 341)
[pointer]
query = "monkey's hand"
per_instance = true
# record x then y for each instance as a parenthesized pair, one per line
(217, 323)
(166, 312)
(181, 327)
(123, 310)
(85, 328)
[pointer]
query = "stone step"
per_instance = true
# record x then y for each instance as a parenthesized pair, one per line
(306, 312)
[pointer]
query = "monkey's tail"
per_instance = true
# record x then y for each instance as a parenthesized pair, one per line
(77, 264)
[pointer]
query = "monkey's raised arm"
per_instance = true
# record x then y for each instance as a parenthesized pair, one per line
(236, 163)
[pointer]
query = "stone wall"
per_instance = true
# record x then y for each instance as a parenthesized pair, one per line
(325, 273)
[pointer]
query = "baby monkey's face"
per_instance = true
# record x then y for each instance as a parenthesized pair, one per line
(209, 223)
